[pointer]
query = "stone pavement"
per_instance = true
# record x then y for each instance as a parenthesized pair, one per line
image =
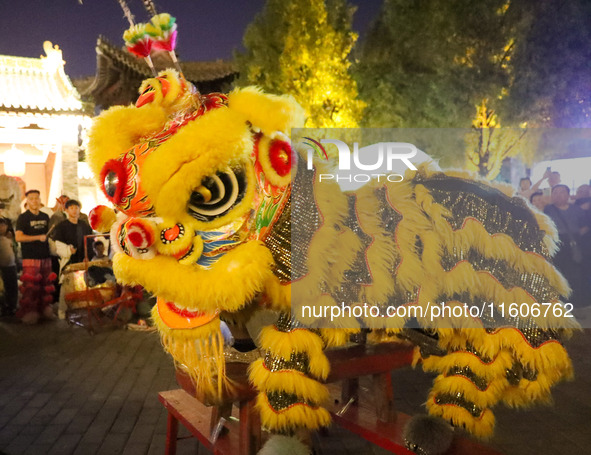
(63, 391)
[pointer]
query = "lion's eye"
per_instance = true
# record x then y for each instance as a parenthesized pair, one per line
(217, 194)
(110, 183)
(113, 179)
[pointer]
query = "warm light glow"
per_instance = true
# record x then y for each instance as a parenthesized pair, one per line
(14, 162)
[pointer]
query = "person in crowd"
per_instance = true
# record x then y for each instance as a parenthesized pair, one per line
(69, 241)
(583, 200)
(525, 187)
(71, 232)
(8, 268)
(569, 220)
(98, 274)
(37, 277)
(59, 211)
(553, 178)
(583, 192)
(537, 200)
(99, 250)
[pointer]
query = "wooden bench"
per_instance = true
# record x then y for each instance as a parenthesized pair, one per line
(382, 426)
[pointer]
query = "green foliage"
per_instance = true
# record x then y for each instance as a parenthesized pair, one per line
(551, 75)
(427, 63)
(301, 48)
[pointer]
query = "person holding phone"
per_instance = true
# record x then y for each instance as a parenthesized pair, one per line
(525, 187)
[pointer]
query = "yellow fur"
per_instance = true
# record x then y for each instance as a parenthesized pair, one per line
(199, 353)
(270, 173)
(267, 112)
(234, 280)
(299, 415)
(284, 344)
(481, 427)
(289, 381)
(206, 145)
(118, 129)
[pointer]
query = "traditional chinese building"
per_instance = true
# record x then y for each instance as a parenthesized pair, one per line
(119, 74)
(42, 120)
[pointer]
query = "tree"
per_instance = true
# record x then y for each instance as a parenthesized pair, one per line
(425, 63)
(551, 65)
(301, 48)
(488, 145)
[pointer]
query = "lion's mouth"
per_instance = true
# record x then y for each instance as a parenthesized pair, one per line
(175, 317)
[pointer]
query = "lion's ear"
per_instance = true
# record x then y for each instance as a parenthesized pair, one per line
(275, 157)
(267, 113)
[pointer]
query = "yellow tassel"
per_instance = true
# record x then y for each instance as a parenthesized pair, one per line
(198, 352)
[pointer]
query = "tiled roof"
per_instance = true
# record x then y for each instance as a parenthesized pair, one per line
(37, 84)
(194, 71)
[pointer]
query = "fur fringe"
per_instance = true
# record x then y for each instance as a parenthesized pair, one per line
(481, 427)
(289, 381)
(299, 415)
(198, 352)
(283, 344)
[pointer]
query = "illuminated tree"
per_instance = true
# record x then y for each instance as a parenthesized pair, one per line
(488, 145)
(301, 48)
(425, 64)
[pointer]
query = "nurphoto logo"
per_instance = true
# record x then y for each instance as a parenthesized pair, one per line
(381, 161)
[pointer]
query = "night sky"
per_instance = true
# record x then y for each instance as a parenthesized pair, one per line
(208, 29)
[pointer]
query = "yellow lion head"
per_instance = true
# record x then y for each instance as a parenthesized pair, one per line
(198, 180)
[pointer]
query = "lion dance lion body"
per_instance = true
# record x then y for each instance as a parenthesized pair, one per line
(204, 189)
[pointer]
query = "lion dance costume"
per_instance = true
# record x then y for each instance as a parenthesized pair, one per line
(204, 187)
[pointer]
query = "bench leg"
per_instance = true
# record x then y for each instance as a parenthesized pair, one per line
(172, 427)
(250, 429)
(384, 397)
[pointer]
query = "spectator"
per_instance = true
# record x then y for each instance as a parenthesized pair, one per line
(69, 240)
(8, 268)
(37, 278)
(553, 178)
(583, 192)
(525, 187)
(570, 224)
(71, 232)
(537, 200)
(99, 250)
(583, 200)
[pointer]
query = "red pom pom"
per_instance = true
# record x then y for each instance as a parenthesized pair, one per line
(49, 289)
(27, 278)
(280, 157)
(47, 299)
(139, 233)
(135, 238)
(51, 277)
(38, 278)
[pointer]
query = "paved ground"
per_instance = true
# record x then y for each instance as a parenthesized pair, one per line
(63, 391)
